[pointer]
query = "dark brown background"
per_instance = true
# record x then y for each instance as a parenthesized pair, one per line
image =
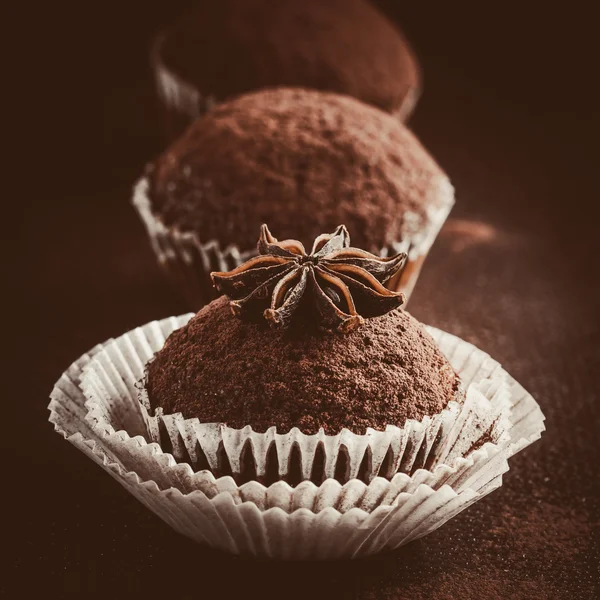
(509, 111)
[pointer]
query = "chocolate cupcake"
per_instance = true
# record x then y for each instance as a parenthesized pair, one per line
(378, 371)
(302, 160)
(316, 421)
(386, 373)
(227, 48)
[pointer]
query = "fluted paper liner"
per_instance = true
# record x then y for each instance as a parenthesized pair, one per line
(188, 262)
(330, 520)
(182, 102)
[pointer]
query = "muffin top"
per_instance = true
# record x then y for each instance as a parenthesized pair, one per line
(302, 161)
(230, 47)
(225, 370)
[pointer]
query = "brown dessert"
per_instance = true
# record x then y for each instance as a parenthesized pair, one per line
(230, 47)
(304, 162)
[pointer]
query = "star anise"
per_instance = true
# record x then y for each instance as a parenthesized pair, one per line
(345, 284)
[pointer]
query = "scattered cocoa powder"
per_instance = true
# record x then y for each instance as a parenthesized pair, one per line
(466, 585)
(221, 369)
(233, 46)
(520, 548)
(301, 161)
(529, 526)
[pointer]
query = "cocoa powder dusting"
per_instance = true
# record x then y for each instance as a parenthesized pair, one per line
(522, 547)
(302, 161)
(221, 369)
(229, 47)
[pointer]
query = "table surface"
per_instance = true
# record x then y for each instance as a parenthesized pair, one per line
(515, 271)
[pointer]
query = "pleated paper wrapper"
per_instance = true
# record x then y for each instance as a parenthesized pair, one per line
(187, 261)
(395, 501)
(182, 103)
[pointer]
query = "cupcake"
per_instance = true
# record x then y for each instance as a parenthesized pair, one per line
(304, 416)
(379, 371)
(303, 161)
(228, 48)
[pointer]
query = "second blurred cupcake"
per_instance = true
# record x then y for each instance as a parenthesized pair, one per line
(230, 47)
(301, 160)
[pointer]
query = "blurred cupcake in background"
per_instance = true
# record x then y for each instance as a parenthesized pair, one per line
(230, 47)
(301, 160)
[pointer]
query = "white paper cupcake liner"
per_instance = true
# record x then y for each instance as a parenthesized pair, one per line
(251, 518)
(304, 523)
(307, 522)
(188, 262)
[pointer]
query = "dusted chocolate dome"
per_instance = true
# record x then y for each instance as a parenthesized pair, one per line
(302, 161)
(221, 369)
(229, 47)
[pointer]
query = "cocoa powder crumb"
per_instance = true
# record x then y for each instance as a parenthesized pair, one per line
(221, 369)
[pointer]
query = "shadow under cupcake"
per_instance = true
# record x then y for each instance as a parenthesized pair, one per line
(301, 160)
(345, 428)
(227, 48)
